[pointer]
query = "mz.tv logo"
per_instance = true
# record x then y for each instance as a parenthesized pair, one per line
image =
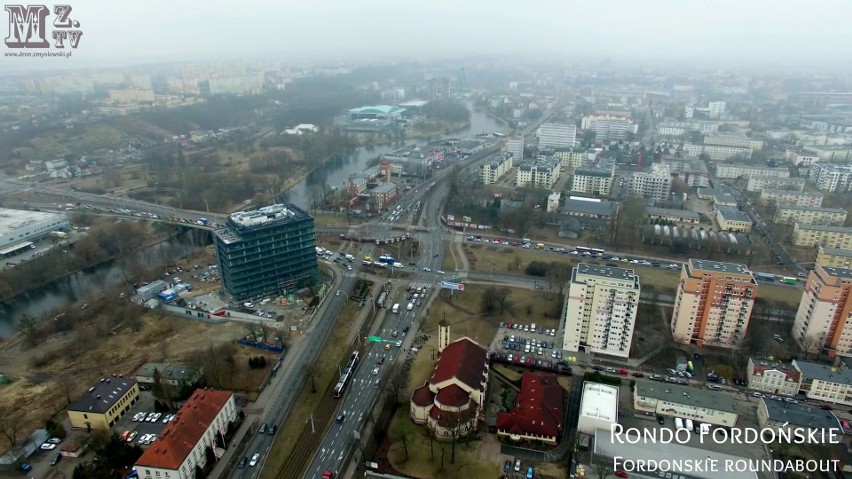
(28, 27)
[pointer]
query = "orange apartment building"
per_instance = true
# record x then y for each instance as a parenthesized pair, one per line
(823, 320)
(713, 303)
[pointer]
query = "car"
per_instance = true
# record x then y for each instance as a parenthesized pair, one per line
(553, 332)
(254, 459)
(656, 377)
(56, 459)
(378, 381)
(243, 462)
(399, 343)
(387, 346)
(661, 420)
(142, 439)
(132, 436)
(517, 465)
(507, 466)
(381, 360)
(623, 372)
(167, 418)
(757, 395)
(139, 416)
(272, 429)
(610, 370)
(598, 368)
(376, 372)
(262, 429)
(340, 418)
(638, 375)
(47, 446)
(54, 440)
(327, 475)
(25, 467)
(621, 474)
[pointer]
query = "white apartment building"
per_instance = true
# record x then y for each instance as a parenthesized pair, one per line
(650, 184)
(831, 177)
(553, 202)
(812, 216)
(182, 445)
(729, 139)
(609, 127)
(716, 109)
(815, 235)
(671, 130)
(718, 152)
(600, 310)
(796, 198)
(492, 170)
(556, 135)
(691, 170)
(831, 153)
(758, 183)
(839, 258)
(773, 377)
(800, 158)
(515, 146)
(737, 170)
(713, 303)
(574, 158)
(538, 174)
(825, 383)
(824, 319)
(595, 182)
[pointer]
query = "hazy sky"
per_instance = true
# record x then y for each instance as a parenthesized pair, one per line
(729, 31)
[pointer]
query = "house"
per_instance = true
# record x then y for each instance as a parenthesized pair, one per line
(182, 445)
(174, 374)
(773, 377)
(590, 212)
(451, 401)
(103, 404)
(732, 219)
(825, 383)
(539, 414)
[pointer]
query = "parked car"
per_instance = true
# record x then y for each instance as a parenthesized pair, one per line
(254, 459)
(56, 459)
(262, 429)
(243, 462)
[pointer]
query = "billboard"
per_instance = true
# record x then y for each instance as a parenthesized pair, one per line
(452, 286)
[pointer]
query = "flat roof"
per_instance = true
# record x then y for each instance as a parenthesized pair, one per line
(731, 213)
(830, 229)
(810, 208)
(598, 172)
(668, 452)
(844, 273)
(103, 395)
(716, 266)
(250, 220)
(675, 393)
(16, 247)
(777, 191)
(672, 212)
(836, 251)
(802, 415)
(605, 271)
(593, 207)
(383, 188)
(824, 372)
(13, 220)
(599, 401)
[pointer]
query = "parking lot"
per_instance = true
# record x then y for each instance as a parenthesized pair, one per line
(141, 428)
(532, 345)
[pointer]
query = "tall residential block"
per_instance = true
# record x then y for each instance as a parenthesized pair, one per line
(556, 135)
(600, 310)
(713, 303)
(824, 319)
(270, 250)
(515, 146)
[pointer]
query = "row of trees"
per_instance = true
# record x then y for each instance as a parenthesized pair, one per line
(447, 111)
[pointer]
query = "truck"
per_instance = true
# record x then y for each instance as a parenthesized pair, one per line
(397, 265)
(539, 246)
(349, 257)
(395, 308)
(789, 280)
(387, 259)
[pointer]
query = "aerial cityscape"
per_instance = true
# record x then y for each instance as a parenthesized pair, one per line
(385, 240)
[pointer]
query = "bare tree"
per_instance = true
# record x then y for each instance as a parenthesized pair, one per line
(495, 300)
(311, 372)
(27, 326)
(459, 424)
(602, 469)
(11, 422)
(558, 275)
(402, 435)
(398, 381)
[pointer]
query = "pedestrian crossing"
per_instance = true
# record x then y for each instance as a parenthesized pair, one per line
(421, 284)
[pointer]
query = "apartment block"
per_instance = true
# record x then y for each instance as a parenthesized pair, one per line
(713, 303)
(650, 184)
(826, 153)
(268, 250)
(716, 109)
(671, 130)
(609, 127)
(759, 183)
(728, 139)
(691, 170)
(813, 216)
(600, 310)
(556, 135)
(718, 152)
(836, 257)
(816, 235)
(801, 158)
(553, 200)
(773, 377)
(515, 147)
(495, 168)
(824, 319)
(732, 219)
(823, 382)
(737, 170)
(593, 181)
(795, 198)
(574, 157)
(538, 174)
(831, 178)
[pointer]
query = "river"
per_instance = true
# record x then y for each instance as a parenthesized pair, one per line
(77, 286)
(336, 172)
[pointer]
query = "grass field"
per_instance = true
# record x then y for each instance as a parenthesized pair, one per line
(322, 219)
(336, 347)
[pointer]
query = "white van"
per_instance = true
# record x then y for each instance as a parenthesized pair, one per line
(349, 256)
(410, 306)
(689, 425)
(395, 308)
(678, 423)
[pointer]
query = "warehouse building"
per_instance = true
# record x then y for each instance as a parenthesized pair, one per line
(20, 228)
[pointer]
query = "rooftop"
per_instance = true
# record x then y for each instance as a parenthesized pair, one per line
(843, 273)
(599, 401)
(103, 395)
(672, 212)
(731, 213)
(759, 366)
(598, 172)
(172, 372)
(811, 208)
(717, 267)
(177, 440)
(836, 251)
(540, 407)
(704, 398)
(802, 415)
(13, 220)
(828, 229)
(834, 168)
(250, 220)
(383, 188)
(606, 271)
(375, 110)
(573, 205)
(776, 191)
(823, 372)
(463, 359)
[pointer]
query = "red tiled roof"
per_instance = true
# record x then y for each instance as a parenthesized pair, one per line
(788, 371)
(462, 359)
(453, 396)
(423, 396)
(176, 441)
(540, 407)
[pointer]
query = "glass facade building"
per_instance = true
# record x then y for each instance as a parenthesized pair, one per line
(265, 251)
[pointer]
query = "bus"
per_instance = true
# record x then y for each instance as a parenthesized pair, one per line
(789, 280)
(591, 251)
(765, 276)
(380, 301)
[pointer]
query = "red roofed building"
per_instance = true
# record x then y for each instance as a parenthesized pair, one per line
(182, 445)
(456, 390)
(539, 414)
(773, 377)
